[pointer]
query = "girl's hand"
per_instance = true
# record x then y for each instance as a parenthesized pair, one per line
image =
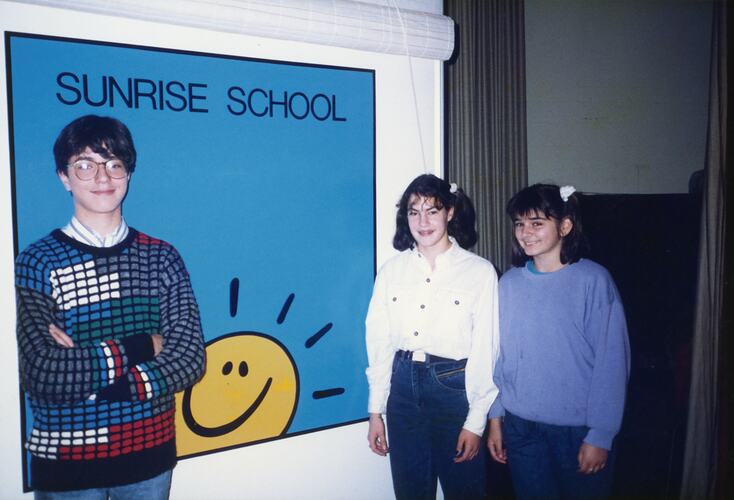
(60, 336)
(376, 435)
(494, 441)
(467, 446)
(157, 343)
(591, 459)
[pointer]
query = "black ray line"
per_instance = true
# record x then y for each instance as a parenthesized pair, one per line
(234, 295)
(327, 393)
(317, 336)
(285, 308)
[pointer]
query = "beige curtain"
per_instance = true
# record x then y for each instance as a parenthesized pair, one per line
(705, 402)
(486, 142)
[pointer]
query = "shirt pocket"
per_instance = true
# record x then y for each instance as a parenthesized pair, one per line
(456, 308)
(402, 302)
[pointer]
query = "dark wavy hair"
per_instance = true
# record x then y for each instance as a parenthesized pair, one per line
(546, 199)
(462, 224)
(104, 135)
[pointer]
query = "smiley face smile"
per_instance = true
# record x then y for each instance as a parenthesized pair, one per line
(204, 431)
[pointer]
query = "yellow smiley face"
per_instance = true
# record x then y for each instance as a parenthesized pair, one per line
(248, 393)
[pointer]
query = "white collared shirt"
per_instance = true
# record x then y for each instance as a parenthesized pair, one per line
(450, 311)
(83, 234)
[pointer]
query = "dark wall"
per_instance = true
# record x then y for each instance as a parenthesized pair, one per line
(649, 244)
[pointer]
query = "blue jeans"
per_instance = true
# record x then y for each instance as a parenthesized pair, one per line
(426, 410)
(543, 460)
(155, 488)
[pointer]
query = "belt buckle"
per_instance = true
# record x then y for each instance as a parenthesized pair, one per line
(419, 356)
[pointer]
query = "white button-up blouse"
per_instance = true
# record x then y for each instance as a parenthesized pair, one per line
(450, 311)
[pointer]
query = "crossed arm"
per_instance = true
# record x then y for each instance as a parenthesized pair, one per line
(64, 340)
(55, 369)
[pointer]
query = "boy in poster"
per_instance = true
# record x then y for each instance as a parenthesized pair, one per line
(108, 330)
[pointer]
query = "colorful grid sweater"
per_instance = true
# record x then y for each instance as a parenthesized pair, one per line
(103, 410)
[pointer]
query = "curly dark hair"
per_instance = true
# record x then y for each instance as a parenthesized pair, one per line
(462, 224)
(546, 199)
(104, 135)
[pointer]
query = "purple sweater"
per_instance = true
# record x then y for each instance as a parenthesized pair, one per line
(564, 352)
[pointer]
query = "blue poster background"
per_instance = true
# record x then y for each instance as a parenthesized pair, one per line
(284, 203)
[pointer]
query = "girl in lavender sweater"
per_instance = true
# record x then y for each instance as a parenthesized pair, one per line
(564, 355)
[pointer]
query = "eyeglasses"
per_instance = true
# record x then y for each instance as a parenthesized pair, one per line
(86, 170)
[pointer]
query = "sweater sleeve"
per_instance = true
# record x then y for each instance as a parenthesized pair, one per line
(380, 350)
(182, 360)
(607, 330)
(497, 410)
(53, 374)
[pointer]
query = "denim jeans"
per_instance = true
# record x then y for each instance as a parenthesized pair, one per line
(426, 410)
(543, 460)
(155, 488)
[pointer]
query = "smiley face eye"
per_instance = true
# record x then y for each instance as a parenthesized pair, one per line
(242, 368)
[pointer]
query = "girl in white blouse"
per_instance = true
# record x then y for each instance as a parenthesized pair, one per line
(432, 338)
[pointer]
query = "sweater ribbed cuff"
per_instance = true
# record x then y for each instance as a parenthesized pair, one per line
(600, 438)
(118, 391)
(496, 410)
(138, 348)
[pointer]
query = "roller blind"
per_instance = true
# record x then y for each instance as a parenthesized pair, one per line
(382, 27)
